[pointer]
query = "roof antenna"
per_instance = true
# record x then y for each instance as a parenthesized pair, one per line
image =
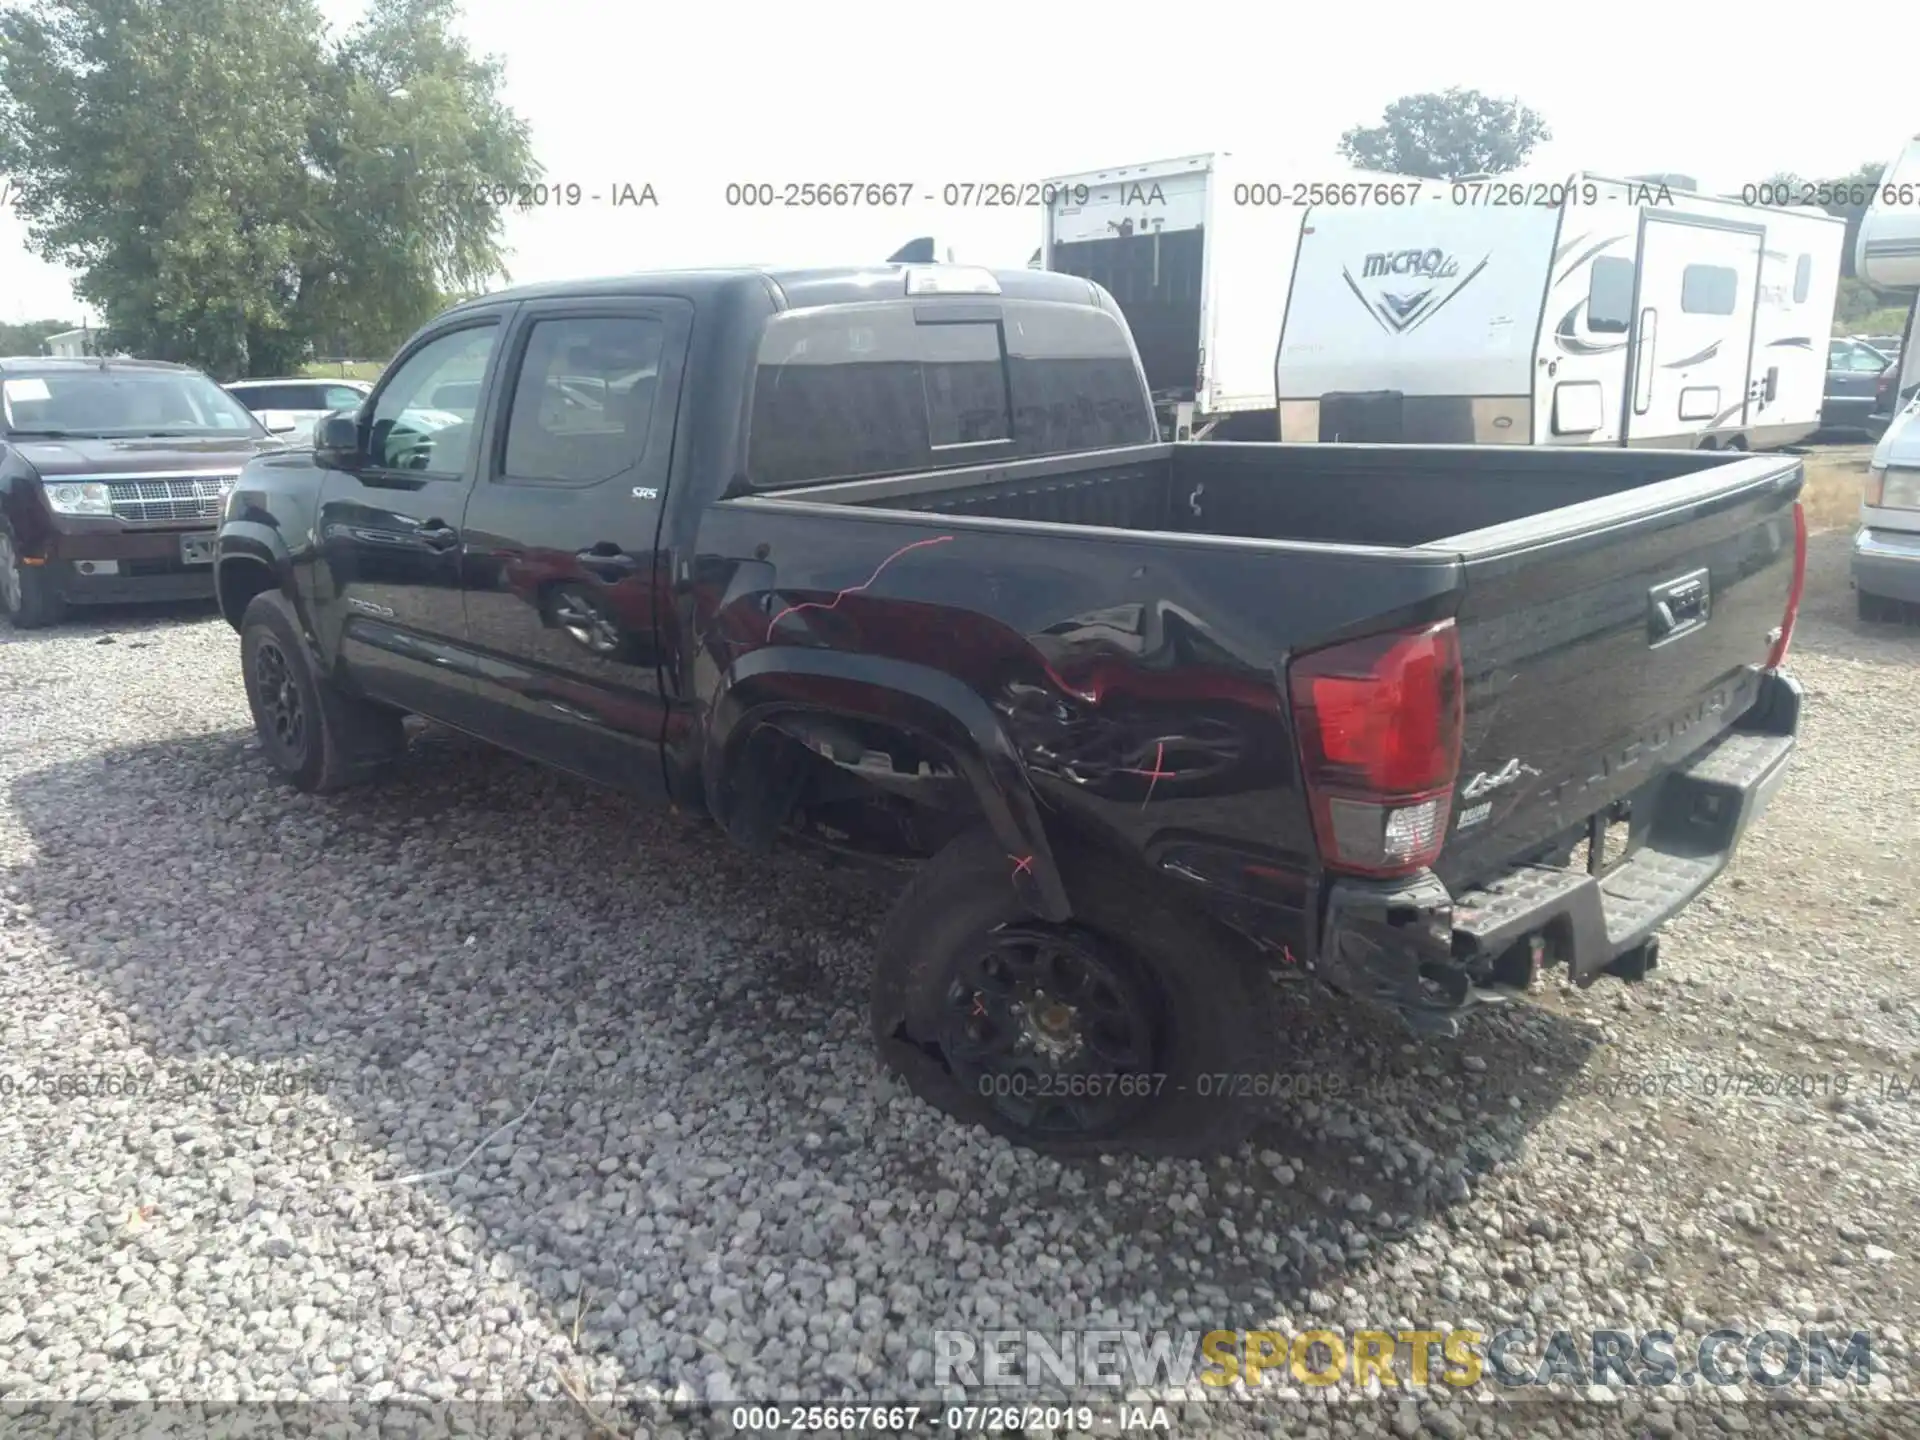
(920, 251)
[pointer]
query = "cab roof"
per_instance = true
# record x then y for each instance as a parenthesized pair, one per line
(796, 288)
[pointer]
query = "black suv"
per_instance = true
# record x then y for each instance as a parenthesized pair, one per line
(113, 474)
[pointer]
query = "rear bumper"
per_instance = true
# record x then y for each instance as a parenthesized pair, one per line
(1426, 953)
(1887, 562)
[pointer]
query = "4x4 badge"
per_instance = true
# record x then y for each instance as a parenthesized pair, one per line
(1483, 783)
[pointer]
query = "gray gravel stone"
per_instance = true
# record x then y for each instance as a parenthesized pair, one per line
(482, 1076)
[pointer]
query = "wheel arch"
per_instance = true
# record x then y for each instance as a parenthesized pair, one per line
(916, 701)
(27, 520)
(251, 561)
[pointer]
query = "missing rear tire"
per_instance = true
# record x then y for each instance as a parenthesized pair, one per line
(1131, 1029)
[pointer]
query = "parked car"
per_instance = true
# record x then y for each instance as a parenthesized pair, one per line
(891, 559)
(1887, 345)
(1886, 547)
(291, 406)
(112, 475)
(1854, 371)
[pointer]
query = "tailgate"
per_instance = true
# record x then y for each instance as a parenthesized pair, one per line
(1603, 643)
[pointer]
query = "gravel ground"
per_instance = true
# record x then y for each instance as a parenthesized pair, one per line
(600, 1117)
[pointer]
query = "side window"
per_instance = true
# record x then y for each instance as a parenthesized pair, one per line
(965, 373)
(584, 400)
(1802, 279)
(1838, 355)
(340, 397)
(423, 418)
(1610, 296)
(1868, 361)
(1708, 290)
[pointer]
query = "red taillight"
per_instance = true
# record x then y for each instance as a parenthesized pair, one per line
(1379, 722)
(1784, 636)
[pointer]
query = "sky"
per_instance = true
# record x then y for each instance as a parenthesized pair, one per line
(689, 98)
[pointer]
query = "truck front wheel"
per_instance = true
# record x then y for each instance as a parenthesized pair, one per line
(1124, 1030)
(315, 735)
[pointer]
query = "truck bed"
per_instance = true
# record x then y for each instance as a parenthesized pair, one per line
(1560, 568)
(1361, 495)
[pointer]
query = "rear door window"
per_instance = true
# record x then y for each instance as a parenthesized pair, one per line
(583, 403)
(862, 390)
(267, 397)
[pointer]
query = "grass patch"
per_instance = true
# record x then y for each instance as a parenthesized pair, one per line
(337, 370)
(1835, 477)
(1889, 320)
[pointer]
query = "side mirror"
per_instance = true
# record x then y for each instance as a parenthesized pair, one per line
(278, 424)
(336, 441)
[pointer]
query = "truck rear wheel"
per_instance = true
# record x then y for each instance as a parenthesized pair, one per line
(315, 735)
(1123, 1030)
(26, 594)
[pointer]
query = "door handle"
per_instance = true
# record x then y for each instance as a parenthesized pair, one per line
(438, 535)
(607, 561)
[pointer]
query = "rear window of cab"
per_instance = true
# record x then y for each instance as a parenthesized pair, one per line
(848, 391)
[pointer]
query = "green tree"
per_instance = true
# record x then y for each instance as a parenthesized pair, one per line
(1444, 135)
(1849, 197)
(1783, 187)
(231, 185)
(31, 338)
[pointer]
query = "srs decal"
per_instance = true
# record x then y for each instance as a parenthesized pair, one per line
(1411, 285)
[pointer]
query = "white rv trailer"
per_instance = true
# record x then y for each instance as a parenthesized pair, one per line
(1579, 311)
(1887, 251)
(1196, 251)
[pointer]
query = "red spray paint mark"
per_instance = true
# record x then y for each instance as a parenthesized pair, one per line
(1022, 865)
(1157, 774)
(834, 603)
(1092, 697)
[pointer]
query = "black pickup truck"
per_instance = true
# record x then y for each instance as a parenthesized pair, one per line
(890, 559)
